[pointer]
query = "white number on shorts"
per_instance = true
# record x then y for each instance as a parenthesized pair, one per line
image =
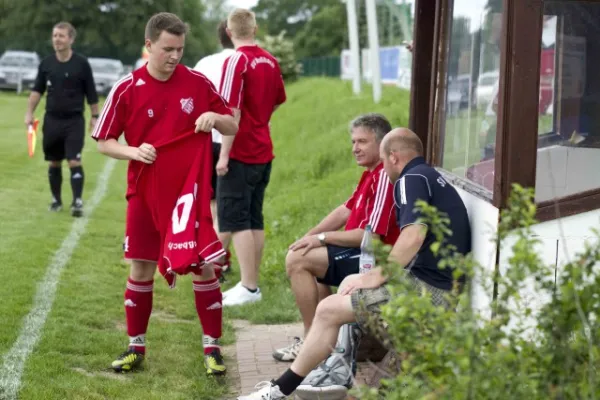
(179, 223)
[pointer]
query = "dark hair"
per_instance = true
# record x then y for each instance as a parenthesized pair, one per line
(66, 25)
(376, 123)
(223, 36)
(164, 21)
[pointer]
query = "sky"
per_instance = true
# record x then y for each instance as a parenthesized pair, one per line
(242, 3)
(468, 8)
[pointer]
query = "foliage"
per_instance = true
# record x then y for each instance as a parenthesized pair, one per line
(283, 49)
(521, 352)
(114, 29)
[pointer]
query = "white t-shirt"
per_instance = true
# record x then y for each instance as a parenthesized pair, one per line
(212, 67)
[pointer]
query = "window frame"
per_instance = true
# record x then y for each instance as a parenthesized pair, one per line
(518, 101)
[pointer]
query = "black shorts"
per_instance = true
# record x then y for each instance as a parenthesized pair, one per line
(216, 148)
(63, 137)
(343, 261)
(240, 195)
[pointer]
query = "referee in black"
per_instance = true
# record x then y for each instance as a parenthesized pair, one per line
(67, 77)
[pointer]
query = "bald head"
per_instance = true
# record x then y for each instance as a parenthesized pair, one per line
(402, 140)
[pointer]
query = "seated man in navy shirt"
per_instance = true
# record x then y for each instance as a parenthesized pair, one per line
(360, 296)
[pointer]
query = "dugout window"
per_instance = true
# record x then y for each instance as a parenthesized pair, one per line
(538, 124)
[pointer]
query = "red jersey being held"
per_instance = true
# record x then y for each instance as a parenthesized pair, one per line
(252, 83)
(177, 191)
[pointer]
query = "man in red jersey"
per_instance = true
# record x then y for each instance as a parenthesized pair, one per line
(326, 254)
(253, 86)
(158, 106)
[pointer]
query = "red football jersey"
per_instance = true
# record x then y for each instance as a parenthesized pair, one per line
(150, 111)
(177, 191)
(252, 83)
(373, 203)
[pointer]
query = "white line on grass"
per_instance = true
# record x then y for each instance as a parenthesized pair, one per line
(14, 360)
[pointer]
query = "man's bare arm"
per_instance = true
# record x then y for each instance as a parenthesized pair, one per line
(351, 238)
(405, 249)
(226, 125)
(32, 103)
(332, 222)
(112, 148)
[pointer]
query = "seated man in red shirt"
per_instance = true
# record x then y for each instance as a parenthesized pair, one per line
(158, 107)
(326, 255)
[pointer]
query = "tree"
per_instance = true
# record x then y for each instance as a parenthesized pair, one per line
(289, 15)
(114, 29)
(321, 37)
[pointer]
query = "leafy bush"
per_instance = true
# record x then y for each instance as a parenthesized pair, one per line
(466, 355)
(283, 49)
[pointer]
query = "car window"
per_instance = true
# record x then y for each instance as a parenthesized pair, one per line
(106, 67)
(18, 61)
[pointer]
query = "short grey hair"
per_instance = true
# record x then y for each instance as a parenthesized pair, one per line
(376, 123)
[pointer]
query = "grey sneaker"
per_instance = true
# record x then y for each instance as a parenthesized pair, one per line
(290, 352)
(332, 379)
(265, 391)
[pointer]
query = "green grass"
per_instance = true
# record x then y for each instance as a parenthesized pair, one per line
(314, 171)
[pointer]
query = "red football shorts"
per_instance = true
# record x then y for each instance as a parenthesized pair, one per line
(142, 239)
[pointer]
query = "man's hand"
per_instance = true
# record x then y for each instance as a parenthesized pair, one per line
(28, 119)
(369, 280)
(206, 122)
(307, 243)
(222, 166)
(93, 122)
(146, 153)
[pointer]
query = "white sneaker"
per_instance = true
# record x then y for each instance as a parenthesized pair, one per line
(266, 391)
(290, 352)
(240, 295)
(231, 290)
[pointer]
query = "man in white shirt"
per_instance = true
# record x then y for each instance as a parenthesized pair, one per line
(212, 67)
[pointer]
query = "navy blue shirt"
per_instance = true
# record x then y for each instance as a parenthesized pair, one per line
(419, 181)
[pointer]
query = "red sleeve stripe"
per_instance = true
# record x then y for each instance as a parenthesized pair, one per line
(108, 108)
(380, 200)
(230, 74)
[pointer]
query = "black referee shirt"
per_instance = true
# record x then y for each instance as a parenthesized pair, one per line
(67, 83)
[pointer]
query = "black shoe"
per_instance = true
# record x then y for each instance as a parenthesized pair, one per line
(214, 363)
(55, 206)
(77, 208)
(128, 361)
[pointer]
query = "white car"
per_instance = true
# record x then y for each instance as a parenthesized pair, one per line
(18, 66)
(106, 72)
(485, 88)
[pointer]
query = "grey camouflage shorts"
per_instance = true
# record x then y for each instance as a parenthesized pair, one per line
(367, 303)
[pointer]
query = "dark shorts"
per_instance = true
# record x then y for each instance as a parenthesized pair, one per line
(216, 151)
(343, 261)
(240, 195)
(63, 137)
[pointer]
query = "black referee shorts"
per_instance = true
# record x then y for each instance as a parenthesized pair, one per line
(343, 261)
(63, 137)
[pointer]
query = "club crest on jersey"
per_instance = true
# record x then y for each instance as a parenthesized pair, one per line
(187, 105)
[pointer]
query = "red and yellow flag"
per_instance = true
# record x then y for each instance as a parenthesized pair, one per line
(32, 137)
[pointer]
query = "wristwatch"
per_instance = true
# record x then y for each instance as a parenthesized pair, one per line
(321, 237)
(95, 116)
